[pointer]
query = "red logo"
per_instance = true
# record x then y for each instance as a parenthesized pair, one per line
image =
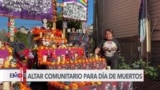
(16, 75)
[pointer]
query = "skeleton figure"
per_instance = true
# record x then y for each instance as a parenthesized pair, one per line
(109, 48)
(45, 42)
(45, 24)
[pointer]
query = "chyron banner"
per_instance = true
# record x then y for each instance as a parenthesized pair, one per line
(27, 9)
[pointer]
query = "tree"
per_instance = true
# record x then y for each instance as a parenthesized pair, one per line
(70, 23)
(74, 24)
(3, 36)
(23, 38)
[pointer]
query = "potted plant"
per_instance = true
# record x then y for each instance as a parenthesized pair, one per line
(150, 72)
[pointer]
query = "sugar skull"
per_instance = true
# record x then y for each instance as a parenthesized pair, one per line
(109, 48)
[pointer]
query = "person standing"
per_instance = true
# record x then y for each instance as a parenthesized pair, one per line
(109, 48)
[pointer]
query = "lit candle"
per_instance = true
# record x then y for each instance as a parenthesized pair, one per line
(58, 59)
(7, 62)
(0, 44)
(44, 58)
(52, 35)
(96, 56)
(63, 58)
(76, 55)
(64, 33)
(40, 34)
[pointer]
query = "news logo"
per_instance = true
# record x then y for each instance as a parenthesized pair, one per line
(15, 75)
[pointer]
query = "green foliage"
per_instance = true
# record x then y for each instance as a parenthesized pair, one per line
(74, 24)
(149, 71)
(70, 23)
(3, 35)
(22, 38)
(122, 64)
(140, 64)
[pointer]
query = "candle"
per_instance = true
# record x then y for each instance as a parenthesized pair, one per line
(0, 44)
(84, 65)
(52, 35)
(44, 58)
(63, 58)
(1, 62)
(108, 67)
(52, 66)
(72, 65)
(88, 64)
(94, 64)
(54, 56)
(97, 63)
(40, 34)
(7, 63)
(80, 64)
(104, 63)
(63, 64)
(73, 29)
(76, 55)
(58, 59)
(96, 56)
(59, 65)
(68, 30)
(6, 86)
(64, 33)
(76, 65)
(13, 83)
(67, 65)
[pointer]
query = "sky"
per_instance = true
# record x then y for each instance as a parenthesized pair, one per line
(31, 23)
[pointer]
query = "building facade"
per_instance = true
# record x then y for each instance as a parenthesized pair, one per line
(122, 16)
